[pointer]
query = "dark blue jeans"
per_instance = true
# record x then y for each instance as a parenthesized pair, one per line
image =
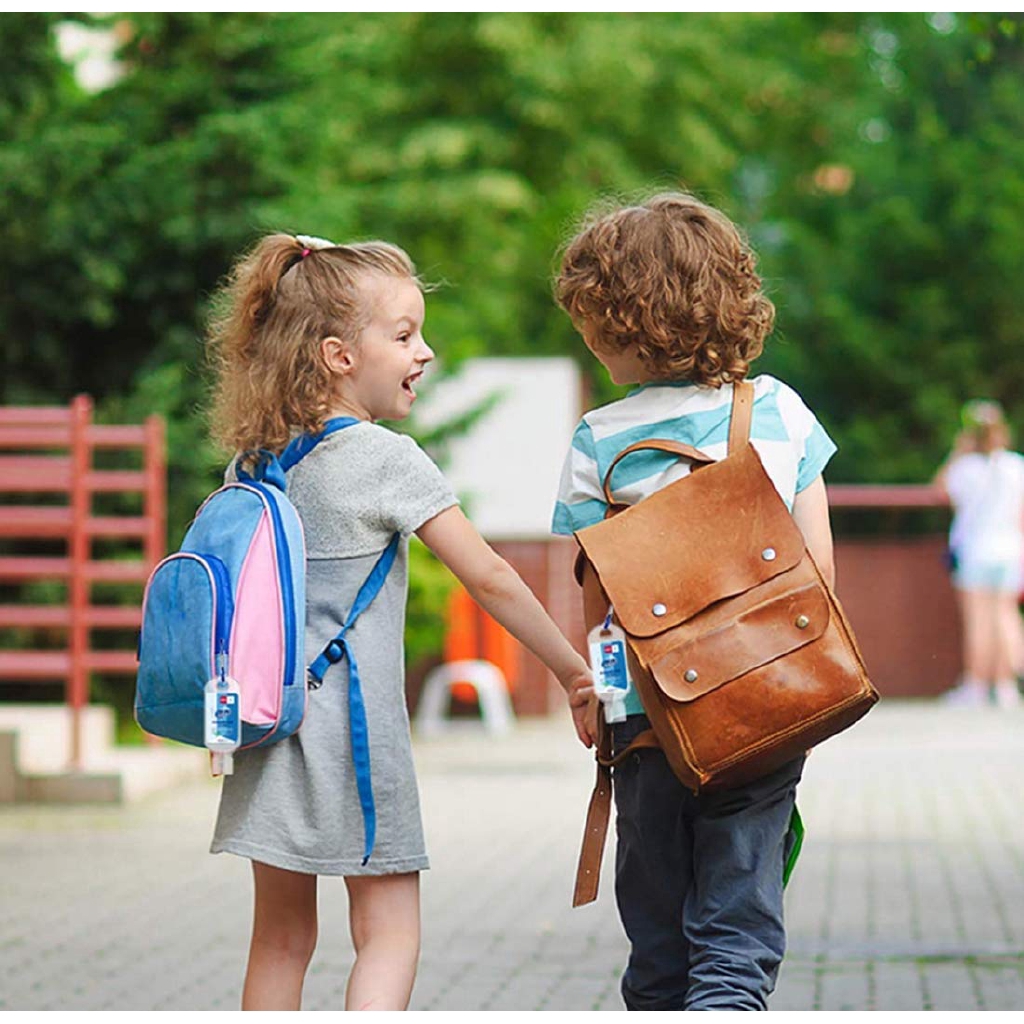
(698, 881)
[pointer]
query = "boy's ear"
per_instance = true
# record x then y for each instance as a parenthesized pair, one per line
(337, 354)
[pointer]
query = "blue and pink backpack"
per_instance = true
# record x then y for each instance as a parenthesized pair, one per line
(232, 600)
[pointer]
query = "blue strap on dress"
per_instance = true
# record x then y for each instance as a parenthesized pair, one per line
(272, 470)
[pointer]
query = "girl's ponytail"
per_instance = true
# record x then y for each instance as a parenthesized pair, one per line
(258, 276)
(241, 414)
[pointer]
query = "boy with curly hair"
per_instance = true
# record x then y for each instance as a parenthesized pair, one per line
(666, 296)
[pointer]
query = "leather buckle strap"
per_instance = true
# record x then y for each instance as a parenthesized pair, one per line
(588, 870)
(645, 740)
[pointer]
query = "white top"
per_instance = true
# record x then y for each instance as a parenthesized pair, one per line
(987, 492)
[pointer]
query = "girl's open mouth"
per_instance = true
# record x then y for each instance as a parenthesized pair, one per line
(407, 384)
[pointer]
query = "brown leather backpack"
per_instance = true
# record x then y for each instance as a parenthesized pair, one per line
(740, 652)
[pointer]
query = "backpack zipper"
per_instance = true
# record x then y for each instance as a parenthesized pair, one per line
(223, 602)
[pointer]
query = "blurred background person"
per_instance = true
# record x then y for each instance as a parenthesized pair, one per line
(985, 484)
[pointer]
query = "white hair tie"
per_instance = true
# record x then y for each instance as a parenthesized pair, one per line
(310, 242)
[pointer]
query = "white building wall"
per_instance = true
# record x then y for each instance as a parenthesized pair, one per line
(506, 468)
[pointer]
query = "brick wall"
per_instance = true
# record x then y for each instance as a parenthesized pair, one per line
(895, 591)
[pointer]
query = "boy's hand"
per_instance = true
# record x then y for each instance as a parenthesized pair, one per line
(583, 704)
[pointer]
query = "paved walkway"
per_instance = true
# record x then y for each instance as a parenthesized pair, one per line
(909, 894)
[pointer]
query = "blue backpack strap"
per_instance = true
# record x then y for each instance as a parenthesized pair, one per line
(339, 648)
(267, 469)
(302, 445)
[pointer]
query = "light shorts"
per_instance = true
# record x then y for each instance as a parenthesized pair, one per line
(984, 574)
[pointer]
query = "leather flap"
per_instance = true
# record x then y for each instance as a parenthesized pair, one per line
(760, 635)
(717, 532)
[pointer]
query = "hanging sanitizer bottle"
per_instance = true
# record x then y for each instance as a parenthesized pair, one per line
(222, 726)
(607, 645)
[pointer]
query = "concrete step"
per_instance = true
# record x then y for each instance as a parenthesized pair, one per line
(35, 742)
(44, 734)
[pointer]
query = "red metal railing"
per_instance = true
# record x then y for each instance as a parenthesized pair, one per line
(886, 496)
(49, 452)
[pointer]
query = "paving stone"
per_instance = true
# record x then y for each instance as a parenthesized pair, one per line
(897, 985)
(909, 894)
(1001, 984)
(844, 986)
(951, 986)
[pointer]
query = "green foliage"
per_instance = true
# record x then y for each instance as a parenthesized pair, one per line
(876, 160)
(898, 295)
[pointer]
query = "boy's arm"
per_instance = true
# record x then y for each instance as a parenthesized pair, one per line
(810, 510)
(498, 589)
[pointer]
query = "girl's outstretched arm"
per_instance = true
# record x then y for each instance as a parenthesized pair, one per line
(499, 590)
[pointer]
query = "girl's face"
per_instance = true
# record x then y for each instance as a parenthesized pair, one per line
(378, 374)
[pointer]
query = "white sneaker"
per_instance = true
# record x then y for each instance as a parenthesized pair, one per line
(966, 695)
(1008, 694)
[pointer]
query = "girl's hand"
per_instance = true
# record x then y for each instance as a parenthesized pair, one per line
(497, 588)
(583, 703)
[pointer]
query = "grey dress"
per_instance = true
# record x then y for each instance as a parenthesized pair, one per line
(294, 804)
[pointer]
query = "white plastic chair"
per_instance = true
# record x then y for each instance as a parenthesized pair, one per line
(491, 690)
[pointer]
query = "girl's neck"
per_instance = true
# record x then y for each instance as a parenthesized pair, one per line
(343, 407)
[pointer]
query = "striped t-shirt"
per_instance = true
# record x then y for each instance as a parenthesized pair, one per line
(792, 444)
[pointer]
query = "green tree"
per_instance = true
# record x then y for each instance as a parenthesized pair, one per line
(876, 161)
(898, 253)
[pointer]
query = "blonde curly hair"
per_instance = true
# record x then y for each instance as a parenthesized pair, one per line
(280, 300)
(672, 280)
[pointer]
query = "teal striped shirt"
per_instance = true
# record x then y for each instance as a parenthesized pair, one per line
(792, 444)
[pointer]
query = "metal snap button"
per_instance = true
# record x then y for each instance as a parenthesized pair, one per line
(768, 554)
(802, 622)
(659, 609)
(690, 675)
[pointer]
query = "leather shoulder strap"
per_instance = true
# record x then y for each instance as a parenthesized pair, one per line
(742, 412)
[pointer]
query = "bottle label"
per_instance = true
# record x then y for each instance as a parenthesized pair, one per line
(610, 656)
(223, 722)
(607, 645)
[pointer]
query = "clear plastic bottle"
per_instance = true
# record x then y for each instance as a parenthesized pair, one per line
(222, 721)
(607, 644)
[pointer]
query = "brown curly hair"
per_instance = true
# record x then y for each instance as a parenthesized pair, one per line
(672, 280)
(280, 300)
